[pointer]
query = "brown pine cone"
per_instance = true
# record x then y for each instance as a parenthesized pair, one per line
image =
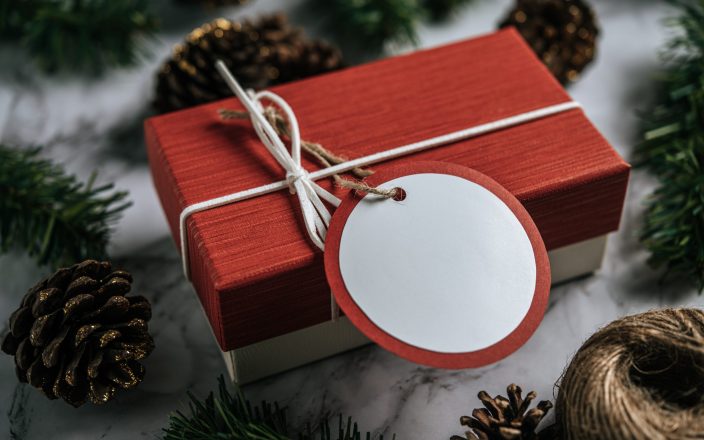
(506, 418)
(77, 336)
(259, 53)
(562, 33)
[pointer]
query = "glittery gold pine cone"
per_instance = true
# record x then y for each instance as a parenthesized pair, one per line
(562, 33)
(507, 418)
(259, 53)
(77, 336)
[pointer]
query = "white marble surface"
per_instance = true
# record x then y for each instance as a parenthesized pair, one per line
(91, 124)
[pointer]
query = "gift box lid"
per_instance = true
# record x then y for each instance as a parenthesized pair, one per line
(252, 264)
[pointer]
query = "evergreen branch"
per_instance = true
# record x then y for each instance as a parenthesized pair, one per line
(372, 23)
(438, 10)
(672, 148)
(56, 218)
(375, 22)
(231, 417)
(13, 16)
(78, 35)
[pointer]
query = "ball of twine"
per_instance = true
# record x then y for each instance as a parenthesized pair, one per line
(640, 377)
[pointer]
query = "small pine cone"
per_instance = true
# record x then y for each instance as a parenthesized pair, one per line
(260, 54)
(77, 336)
(316, 56)
(562, 33)
(506, 418)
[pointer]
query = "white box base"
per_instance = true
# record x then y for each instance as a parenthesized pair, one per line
(301, 347)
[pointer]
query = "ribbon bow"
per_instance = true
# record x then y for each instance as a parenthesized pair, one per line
(316, 215)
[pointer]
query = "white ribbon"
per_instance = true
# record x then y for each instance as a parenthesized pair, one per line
(310, 195)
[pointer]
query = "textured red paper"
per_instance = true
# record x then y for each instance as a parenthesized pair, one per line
(255, 271)
(478, 358)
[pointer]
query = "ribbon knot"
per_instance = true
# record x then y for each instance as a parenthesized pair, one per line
(293, 176)
(316, 215)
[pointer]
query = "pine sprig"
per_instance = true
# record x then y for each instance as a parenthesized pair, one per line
(54, 217)
(372, 23)
(230, 416)
(78, 35)
(375, 22)
(673, 149)
(441, 10)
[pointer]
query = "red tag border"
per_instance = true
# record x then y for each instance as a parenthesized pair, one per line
(473, 359)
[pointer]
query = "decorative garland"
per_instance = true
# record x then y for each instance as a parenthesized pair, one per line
(672, 148)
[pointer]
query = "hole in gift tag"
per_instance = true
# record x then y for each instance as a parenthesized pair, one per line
(456, 276)
(399, 194)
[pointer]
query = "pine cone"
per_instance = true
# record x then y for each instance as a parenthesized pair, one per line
(260, 54)
(561, 32)
(77, 336)
(506, 419)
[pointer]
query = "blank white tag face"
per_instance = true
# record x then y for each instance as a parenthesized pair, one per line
(450, 269)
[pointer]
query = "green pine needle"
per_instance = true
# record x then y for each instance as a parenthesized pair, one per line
(673, 149)
(231, 417)
(78, 35)
(54, 217)
(372, 23)
(438, 10)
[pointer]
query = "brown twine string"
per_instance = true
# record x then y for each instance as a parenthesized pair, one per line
(640, 377)
(325, 157)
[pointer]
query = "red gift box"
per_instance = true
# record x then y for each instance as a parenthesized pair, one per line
(256, 272)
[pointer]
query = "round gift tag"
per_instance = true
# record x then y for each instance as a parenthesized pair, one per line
(455, 275)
